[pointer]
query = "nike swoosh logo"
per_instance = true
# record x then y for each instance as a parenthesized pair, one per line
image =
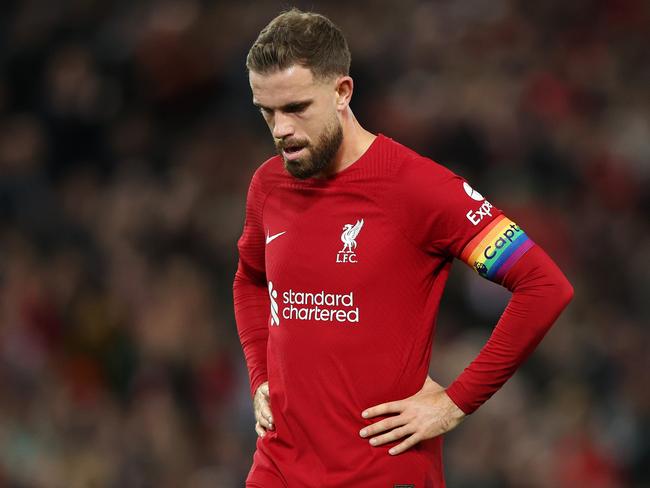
(269, 238)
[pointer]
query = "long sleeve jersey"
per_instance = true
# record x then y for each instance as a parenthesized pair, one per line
(336, 297)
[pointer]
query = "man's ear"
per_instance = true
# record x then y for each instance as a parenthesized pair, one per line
(344, 88)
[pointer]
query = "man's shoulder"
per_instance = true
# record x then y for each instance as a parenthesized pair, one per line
(270, 170)
(416, 169)
(268, 174)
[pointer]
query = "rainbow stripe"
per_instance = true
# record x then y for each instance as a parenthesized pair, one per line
(494, 250)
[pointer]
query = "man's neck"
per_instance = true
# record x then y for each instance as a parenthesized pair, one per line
(356, 141)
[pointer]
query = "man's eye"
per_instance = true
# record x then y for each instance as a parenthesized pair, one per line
(265, 111)
(297, 110)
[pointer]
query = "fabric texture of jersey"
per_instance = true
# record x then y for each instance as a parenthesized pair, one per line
(338, 288)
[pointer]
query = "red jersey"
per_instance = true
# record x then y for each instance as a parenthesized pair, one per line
(336, 297)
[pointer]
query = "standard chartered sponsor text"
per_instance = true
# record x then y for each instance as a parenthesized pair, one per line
(320, 306)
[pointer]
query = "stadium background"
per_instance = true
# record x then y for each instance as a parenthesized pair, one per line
(127, 140)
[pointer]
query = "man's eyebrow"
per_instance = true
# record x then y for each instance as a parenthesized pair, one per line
(291, 106)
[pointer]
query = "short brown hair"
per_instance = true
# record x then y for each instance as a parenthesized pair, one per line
(308, 39)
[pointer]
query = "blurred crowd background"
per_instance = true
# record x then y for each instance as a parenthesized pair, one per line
(127, 141)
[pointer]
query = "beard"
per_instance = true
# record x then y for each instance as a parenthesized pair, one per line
(319, 156)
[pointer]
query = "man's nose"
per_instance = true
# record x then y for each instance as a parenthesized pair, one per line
(283, 126)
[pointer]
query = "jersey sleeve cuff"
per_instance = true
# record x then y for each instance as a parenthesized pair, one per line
(459, 396)
(257, 382)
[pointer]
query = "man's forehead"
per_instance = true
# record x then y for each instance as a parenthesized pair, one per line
(282, 86)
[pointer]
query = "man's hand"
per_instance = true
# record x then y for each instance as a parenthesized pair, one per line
(428, 413)
(262, 407)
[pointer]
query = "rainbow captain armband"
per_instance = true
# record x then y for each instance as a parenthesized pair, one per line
(494, 250)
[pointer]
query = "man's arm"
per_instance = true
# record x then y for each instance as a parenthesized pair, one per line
(540, 292)
(250, 295)
(252, 305)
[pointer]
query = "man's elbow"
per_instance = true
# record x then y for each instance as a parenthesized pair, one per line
(563, 292)
(247, 275)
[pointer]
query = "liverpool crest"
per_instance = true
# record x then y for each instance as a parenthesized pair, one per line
(348, 237)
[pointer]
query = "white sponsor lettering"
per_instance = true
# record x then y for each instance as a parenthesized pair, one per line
(320, 298)
(317, 306)
(321, 314)
(483, 211)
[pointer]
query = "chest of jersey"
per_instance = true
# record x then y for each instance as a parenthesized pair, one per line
(320, 240)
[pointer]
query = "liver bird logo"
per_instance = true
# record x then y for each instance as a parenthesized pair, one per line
(350, 233)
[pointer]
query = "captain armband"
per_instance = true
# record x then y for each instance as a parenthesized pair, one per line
(494, 250)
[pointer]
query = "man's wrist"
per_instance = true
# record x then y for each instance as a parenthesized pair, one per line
(454, 409)
(456, 395)
(256, 385)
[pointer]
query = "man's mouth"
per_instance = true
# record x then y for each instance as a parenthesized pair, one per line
(293, 151)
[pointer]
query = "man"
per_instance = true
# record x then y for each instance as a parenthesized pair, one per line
(346, 249)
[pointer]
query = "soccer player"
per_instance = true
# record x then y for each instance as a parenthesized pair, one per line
(347, 245)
